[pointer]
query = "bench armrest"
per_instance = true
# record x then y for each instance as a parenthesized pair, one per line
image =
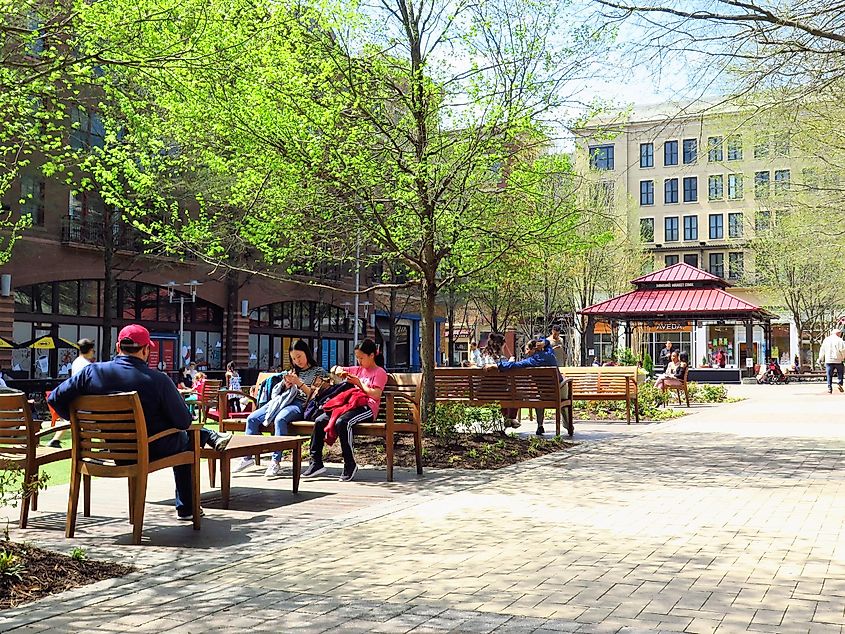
(193, 429)
(390, 399)
(52, 430)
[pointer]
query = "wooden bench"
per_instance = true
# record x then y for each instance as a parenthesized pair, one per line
(608, 383)
(399, 414)
(526, 387)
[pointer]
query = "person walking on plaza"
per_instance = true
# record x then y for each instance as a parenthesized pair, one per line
(161, 402)
(556, 341)
(474, 355)
(832, 354)
(287, 402)
(87, 356)
(370, 378)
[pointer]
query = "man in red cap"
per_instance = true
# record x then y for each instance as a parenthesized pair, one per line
(164, 408)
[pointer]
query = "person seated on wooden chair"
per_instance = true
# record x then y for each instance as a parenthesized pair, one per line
(538, 354)
(161, 402)
(678, 367)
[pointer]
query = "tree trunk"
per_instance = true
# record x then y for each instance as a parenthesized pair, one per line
(586, 339)
(109, 283)
(428, 296)
(450, 351)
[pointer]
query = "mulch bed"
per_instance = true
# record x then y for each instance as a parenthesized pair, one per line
(47, 572)
(465, 451)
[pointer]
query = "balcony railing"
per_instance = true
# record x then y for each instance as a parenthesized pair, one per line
(92, 232)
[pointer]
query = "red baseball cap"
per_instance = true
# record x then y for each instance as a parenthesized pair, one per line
(138, 334)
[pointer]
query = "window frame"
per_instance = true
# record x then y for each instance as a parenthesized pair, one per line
(666, 191)
(762, 184)
(711, 180)
(715, 149)
(721, 265)
(733, 258)
(716, 230)
(648, 193)
(733, 226)
(689, 149)
(739, 194)
(781, 183)
(734, 147)
(671, 143)
(608, 158)
(646, 220)
(691, 228)
(666, 230)
(690, 189)
(671, 256)
(648, 155)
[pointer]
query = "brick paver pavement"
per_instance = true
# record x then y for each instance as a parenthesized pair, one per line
(728, 520)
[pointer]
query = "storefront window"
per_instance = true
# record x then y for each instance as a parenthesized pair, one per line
(781, 344)
(721, 339)
(68, 293)
(88, 298)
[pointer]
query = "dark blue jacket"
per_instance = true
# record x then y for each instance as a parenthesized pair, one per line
(540, 359)
(164, 408)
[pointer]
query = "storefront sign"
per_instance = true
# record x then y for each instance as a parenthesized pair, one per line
(666, 327)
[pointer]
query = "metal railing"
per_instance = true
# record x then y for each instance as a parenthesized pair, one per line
(92, 232)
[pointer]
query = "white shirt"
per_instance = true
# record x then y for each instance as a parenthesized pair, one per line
(832, 350)
(77, 365)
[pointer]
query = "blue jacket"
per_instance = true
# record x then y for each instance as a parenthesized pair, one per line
(541, 359)
(164, 408)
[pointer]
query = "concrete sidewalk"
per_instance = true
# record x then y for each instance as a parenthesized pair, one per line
(730, 519)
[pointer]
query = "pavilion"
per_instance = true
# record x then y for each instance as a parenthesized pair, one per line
(686, 295)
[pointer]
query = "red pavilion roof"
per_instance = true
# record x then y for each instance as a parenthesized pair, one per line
(678, 302)
(680, 272)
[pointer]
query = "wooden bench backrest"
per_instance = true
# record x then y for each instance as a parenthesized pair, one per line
(109, 427)
(476, 385)
(210, 388)
(406, 383)
(619, 380)
(17, 431)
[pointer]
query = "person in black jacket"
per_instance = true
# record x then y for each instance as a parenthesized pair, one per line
(666, 354)
(164, 408)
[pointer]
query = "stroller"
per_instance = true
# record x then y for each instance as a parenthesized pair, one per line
(773, 374)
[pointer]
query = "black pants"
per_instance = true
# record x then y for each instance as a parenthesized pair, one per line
(343, 427)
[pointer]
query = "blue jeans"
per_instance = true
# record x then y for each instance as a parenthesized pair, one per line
(831, 368)
(286, 415)
(181, 473)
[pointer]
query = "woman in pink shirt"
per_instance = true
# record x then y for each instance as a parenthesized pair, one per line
(369, 376)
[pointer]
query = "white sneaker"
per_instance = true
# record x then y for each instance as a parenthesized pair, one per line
(243, 464)
(274, 469)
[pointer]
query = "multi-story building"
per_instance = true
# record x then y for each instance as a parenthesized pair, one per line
(56, 280)
(694, 186)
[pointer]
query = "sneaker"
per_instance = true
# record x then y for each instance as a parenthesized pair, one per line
(540, 431)
(274, 469)
(830, 390)
(190, 518)
(314, 469)
(513, 423)
(346, 477)
(243, 464)
(222, 441)
(55, 444)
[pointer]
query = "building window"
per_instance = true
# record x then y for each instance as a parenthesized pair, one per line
(670, 260)
(717, 226)
(761, 185)
(761, 145)
(646, 192)
(717, 264)
(32, 195)
(716, 187)
(690, 227)
(670, 190)
(602, 195)
(781, 181)
(762, 220)
(811, 177)
(735, 148)
(601, 157)
(781, 145)
(735, 225)
(734, 186)
(646, 154)
(670, 229)
(691, 259)
(690, 189)
(670, 153)
(690, 151)
(735, 266)
(715, 149)
(647, 229)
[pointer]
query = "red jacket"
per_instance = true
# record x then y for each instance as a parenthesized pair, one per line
(340, 404)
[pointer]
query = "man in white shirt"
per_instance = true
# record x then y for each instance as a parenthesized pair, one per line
(87, 356)
(832, 354)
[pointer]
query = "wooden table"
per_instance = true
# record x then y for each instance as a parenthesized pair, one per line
(242, 446)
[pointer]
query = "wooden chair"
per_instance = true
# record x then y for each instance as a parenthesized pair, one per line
(20, 448)
(231, 421)
(208, 398)
(110, 441)
(681, 388)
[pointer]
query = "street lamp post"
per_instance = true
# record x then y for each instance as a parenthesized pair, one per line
(192, 287)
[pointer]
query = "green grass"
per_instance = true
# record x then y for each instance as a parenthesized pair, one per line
(59, 472)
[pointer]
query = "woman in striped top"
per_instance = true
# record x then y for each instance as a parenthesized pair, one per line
(304, 376)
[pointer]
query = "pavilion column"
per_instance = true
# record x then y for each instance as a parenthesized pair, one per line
(749, 345)
(628, 333)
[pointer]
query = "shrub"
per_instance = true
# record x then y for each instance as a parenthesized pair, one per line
(626, 356)
(78, 554)
(11, 565)
(648, 364)
(449, 419)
